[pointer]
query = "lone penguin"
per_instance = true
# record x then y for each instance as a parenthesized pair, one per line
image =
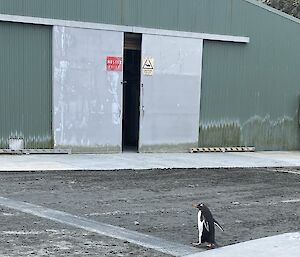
(206, 226)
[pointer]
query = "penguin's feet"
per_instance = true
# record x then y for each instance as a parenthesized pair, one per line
(196, 244)
(211, 246)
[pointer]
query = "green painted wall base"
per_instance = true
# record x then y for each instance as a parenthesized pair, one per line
(261, 132)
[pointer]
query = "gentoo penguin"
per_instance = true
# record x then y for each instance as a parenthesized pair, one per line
(206, 226)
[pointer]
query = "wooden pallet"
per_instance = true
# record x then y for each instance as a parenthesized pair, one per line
(35, 151)
(221, 149)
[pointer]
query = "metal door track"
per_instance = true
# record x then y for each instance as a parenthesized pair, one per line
(35, 151)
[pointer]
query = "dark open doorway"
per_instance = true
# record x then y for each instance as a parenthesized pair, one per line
(131, 91)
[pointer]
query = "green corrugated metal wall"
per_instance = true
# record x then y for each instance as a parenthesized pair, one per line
(249, 91)
(213, 16)
(25, 84)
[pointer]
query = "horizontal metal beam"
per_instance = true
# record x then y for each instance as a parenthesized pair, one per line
(101, 26)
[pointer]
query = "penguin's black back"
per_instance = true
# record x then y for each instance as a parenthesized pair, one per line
(207, 236)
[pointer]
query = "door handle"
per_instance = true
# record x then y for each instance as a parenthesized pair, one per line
(143, 110)
(124, 82)
(142, 100)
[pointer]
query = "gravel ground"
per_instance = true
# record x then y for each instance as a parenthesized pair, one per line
(248, 203)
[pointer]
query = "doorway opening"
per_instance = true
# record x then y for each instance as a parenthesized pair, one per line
(131, 91)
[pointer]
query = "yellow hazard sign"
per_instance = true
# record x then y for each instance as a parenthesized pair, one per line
(148, 66)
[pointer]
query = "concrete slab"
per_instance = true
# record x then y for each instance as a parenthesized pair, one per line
(147, 241)
(138, 161)
(249, 203)
(281, 245)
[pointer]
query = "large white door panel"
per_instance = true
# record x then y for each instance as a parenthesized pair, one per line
(87, 97)
(170, 98)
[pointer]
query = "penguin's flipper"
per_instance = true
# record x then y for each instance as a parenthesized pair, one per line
(204, 222)
(206, 225)
(218, 225)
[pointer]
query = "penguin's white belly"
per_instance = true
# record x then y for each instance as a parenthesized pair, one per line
(200, 226)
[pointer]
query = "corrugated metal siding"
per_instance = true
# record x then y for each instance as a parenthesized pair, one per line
(218, 16)
(192, 15)
(25, 84)
(251, 90)
(84, 10)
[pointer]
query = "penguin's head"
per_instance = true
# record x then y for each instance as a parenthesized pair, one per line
(198, 206)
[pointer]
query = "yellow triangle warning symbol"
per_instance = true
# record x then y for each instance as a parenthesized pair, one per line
(148, 65)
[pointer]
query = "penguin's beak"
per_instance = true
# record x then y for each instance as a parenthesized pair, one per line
(195, 205)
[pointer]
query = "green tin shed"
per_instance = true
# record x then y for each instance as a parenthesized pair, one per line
(249, 74)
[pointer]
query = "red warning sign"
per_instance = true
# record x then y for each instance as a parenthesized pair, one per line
(114, 63)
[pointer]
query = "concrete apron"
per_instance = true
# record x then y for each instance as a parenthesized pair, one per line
(281, 245)
(137, 161)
